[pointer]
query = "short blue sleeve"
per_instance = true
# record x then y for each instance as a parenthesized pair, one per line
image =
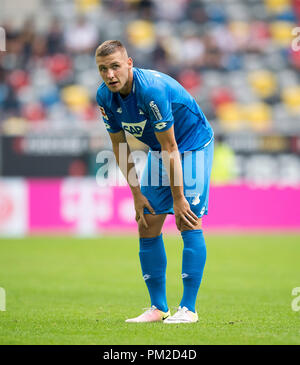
(108, 118)
(159, 107)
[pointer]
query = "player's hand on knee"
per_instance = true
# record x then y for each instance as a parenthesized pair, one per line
(140, 203)
(183, 214)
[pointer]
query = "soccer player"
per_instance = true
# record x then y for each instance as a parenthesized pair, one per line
(158, 111)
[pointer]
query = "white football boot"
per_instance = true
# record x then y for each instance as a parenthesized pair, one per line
(183, 315)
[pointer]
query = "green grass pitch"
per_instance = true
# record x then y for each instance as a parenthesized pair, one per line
(64, 290)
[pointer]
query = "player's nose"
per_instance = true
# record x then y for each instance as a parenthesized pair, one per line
(110, 74)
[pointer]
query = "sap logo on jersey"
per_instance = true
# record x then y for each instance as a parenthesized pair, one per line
(136, 129)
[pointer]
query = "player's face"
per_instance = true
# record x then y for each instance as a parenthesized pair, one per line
(116, 71)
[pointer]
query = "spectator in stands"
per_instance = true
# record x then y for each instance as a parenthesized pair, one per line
(81, 37)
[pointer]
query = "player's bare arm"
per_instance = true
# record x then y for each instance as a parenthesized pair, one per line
(140, 201)
(183, 214)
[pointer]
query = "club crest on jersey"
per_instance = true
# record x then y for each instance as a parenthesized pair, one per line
(155, 110)
(136, 129)
(104, 115)
(196, 200)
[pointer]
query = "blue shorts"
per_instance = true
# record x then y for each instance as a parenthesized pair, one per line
(196, 168)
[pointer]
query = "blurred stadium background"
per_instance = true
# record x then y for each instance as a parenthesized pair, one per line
(235, 58)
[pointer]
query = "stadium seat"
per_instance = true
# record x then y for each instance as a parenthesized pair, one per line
(4, 90)
(86, 5)
(276, 6)
(49, 96)
(294, 57)
(230, 116)
(281, 33)
(190, 79)
(237, 11)
(75, 96)
(18, 79)
(141, 34)
(263, 82)
(291, 98)
(259, 35)
(240, 31)
(60, 66)
(216, 13)
(248, 59)
(296, 8)
(33, 112)
(286, 16)
(221, 95)
(286, 78)
(258, 116)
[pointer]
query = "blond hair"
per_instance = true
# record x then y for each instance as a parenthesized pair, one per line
(109, 47)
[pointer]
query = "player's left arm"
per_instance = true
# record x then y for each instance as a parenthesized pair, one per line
(158, 103)
(172, 162)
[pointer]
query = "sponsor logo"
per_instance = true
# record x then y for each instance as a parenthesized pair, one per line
(155, 110)
(160, 125)
(136, 129)
(104, 115)
(184, 275)
(146, 277)
(79, 206)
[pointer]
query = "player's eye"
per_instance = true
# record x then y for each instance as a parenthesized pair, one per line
(115, 67)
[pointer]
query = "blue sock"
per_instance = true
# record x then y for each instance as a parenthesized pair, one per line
(154, 263)
(193, 262)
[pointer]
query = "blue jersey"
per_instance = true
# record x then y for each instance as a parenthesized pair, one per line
(155, 103)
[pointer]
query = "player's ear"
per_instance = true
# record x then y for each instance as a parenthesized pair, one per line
(130, 62)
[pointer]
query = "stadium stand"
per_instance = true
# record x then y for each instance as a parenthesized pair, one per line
(235, 57)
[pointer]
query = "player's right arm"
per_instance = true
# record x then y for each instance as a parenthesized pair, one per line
(119, 143)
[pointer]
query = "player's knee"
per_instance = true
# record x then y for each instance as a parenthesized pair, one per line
(185, 227)
(155, 224)
(151, 231)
